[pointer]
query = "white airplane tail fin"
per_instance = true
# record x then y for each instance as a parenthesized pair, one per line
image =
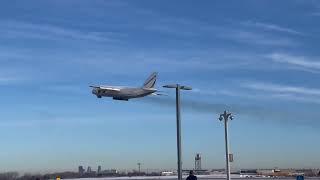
(151, 81)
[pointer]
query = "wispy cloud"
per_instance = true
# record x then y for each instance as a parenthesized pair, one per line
(7, 77)
(193, 60)
(258, 38)
(294, 97)
(283, 89)
(266, 91)
(261, 91)
(5, 80)
(272, 27)
(315, 14)
(285, 92)
(16, 29)
(57, 121)
(74, 89)
(298, 61)
(197, 29)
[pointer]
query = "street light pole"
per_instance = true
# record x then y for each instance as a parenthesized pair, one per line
(226, 116)
(178, 132)
(178, 87)
(139, 167)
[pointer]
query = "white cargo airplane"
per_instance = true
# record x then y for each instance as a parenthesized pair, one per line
(126, 93)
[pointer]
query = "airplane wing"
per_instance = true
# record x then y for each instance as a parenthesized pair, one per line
(109, 88)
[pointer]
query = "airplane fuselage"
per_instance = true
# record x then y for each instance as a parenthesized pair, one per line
(124, 93)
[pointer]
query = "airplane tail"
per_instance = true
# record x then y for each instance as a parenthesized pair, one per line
(151, 81)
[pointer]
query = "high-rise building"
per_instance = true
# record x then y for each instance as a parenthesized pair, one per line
(99, 170)
(81, 170)
(197, 162)
(89, 169)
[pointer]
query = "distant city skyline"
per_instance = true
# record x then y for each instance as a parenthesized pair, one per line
(257, 59)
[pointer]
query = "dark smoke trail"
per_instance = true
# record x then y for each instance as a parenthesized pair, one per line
(258, 113)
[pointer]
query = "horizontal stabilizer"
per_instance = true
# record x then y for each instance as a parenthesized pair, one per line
(159, 94)
(150, 89)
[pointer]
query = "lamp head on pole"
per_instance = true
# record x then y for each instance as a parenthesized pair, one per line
(177, 86)
(185, 87)
(225, 116)
(170, 86)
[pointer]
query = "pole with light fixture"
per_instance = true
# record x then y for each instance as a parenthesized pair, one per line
(178, 87)
(226, 116)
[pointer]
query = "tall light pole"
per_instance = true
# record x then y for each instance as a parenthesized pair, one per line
(139, 167)
(178, 87)
(226, 116)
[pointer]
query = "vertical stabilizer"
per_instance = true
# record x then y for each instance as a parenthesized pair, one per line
(151, 81)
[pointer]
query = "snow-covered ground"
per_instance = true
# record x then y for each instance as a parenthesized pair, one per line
(214, 176)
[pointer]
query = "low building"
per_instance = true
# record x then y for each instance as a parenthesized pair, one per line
(308, 172)
(265, 172)
(109, 172)
(248, 173)
(167, 173)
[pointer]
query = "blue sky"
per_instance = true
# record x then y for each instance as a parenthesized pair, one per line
(258, 59)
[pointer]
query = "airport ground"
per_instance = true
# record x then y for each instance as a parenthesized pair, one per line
(201, 177)
(171, 177)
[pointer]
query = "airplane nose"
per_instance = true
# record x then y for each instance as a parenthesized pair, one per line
(94, 91)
